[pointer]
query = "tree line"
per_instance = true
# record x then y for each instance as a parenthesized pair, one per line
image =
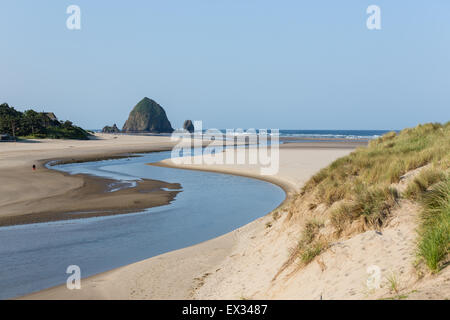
(36, 125)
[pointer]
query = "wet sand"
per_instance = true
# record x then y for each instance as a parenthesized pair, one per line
(180, 274)
(41, 195)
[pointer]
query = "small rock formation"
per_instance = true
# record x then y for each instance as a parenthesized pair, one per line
(188, 126)
(113, 129)
(148, 116)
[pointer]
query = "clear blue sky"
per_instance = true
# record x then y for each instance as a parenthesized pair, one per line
(231, 63)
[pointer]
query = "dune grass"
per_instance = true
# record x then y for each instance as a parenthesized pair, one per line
(361, 186)
(310, 244)
(422, 182)
(361, 182)
(434, 242)
(370, 204)
(393, 282)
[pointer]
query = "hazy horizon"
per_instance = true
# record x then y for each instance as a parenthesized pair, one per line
(234, 64)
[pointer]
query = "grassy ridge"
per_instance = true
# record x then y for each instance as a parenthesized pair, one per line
(359, 187)
(363, 179)
(62, 132)
(434, 242)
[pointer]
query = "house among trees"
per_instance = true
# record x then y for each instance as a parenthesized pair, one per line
(49, 118)
(38, 125)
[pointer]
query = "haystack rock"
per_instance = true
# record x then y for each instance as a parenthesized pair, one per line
(113, 129)
(188, 126)
(148, 116)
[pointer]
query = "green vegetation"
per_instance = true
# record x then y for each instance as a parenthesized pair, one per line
(359, 188)
(31, 124)
(148, 116)
(361, 182)
(422, 182)
(312, 251)
(310, 245)
(434, 243)
(371, 204)
(393, 282)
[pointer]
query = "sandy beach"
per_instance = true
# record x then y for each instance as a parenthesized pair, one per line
(179, 274)
(208, 151)
(29, 196)
(250, 262)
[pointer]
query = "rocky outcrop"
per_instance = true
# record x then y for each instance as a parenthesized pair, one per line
(148, 116)
(113, 129)
(188, 126)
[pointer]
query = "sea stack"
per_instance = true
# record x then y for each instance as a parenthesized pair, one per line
(113, 129)
(188, 126)
(148, 116)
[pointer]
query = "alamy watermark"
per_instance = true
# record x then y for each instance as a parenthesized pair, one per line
(74, 280)
(73, 22)
(374, 280)
(232, 147)
(374, 20)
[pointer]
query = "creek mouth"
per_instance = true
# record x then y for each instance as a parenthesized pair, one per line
(34, 257)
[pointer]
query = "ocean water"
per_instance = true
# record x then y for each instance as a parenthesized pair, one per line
(35, 256)
(346, 134)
